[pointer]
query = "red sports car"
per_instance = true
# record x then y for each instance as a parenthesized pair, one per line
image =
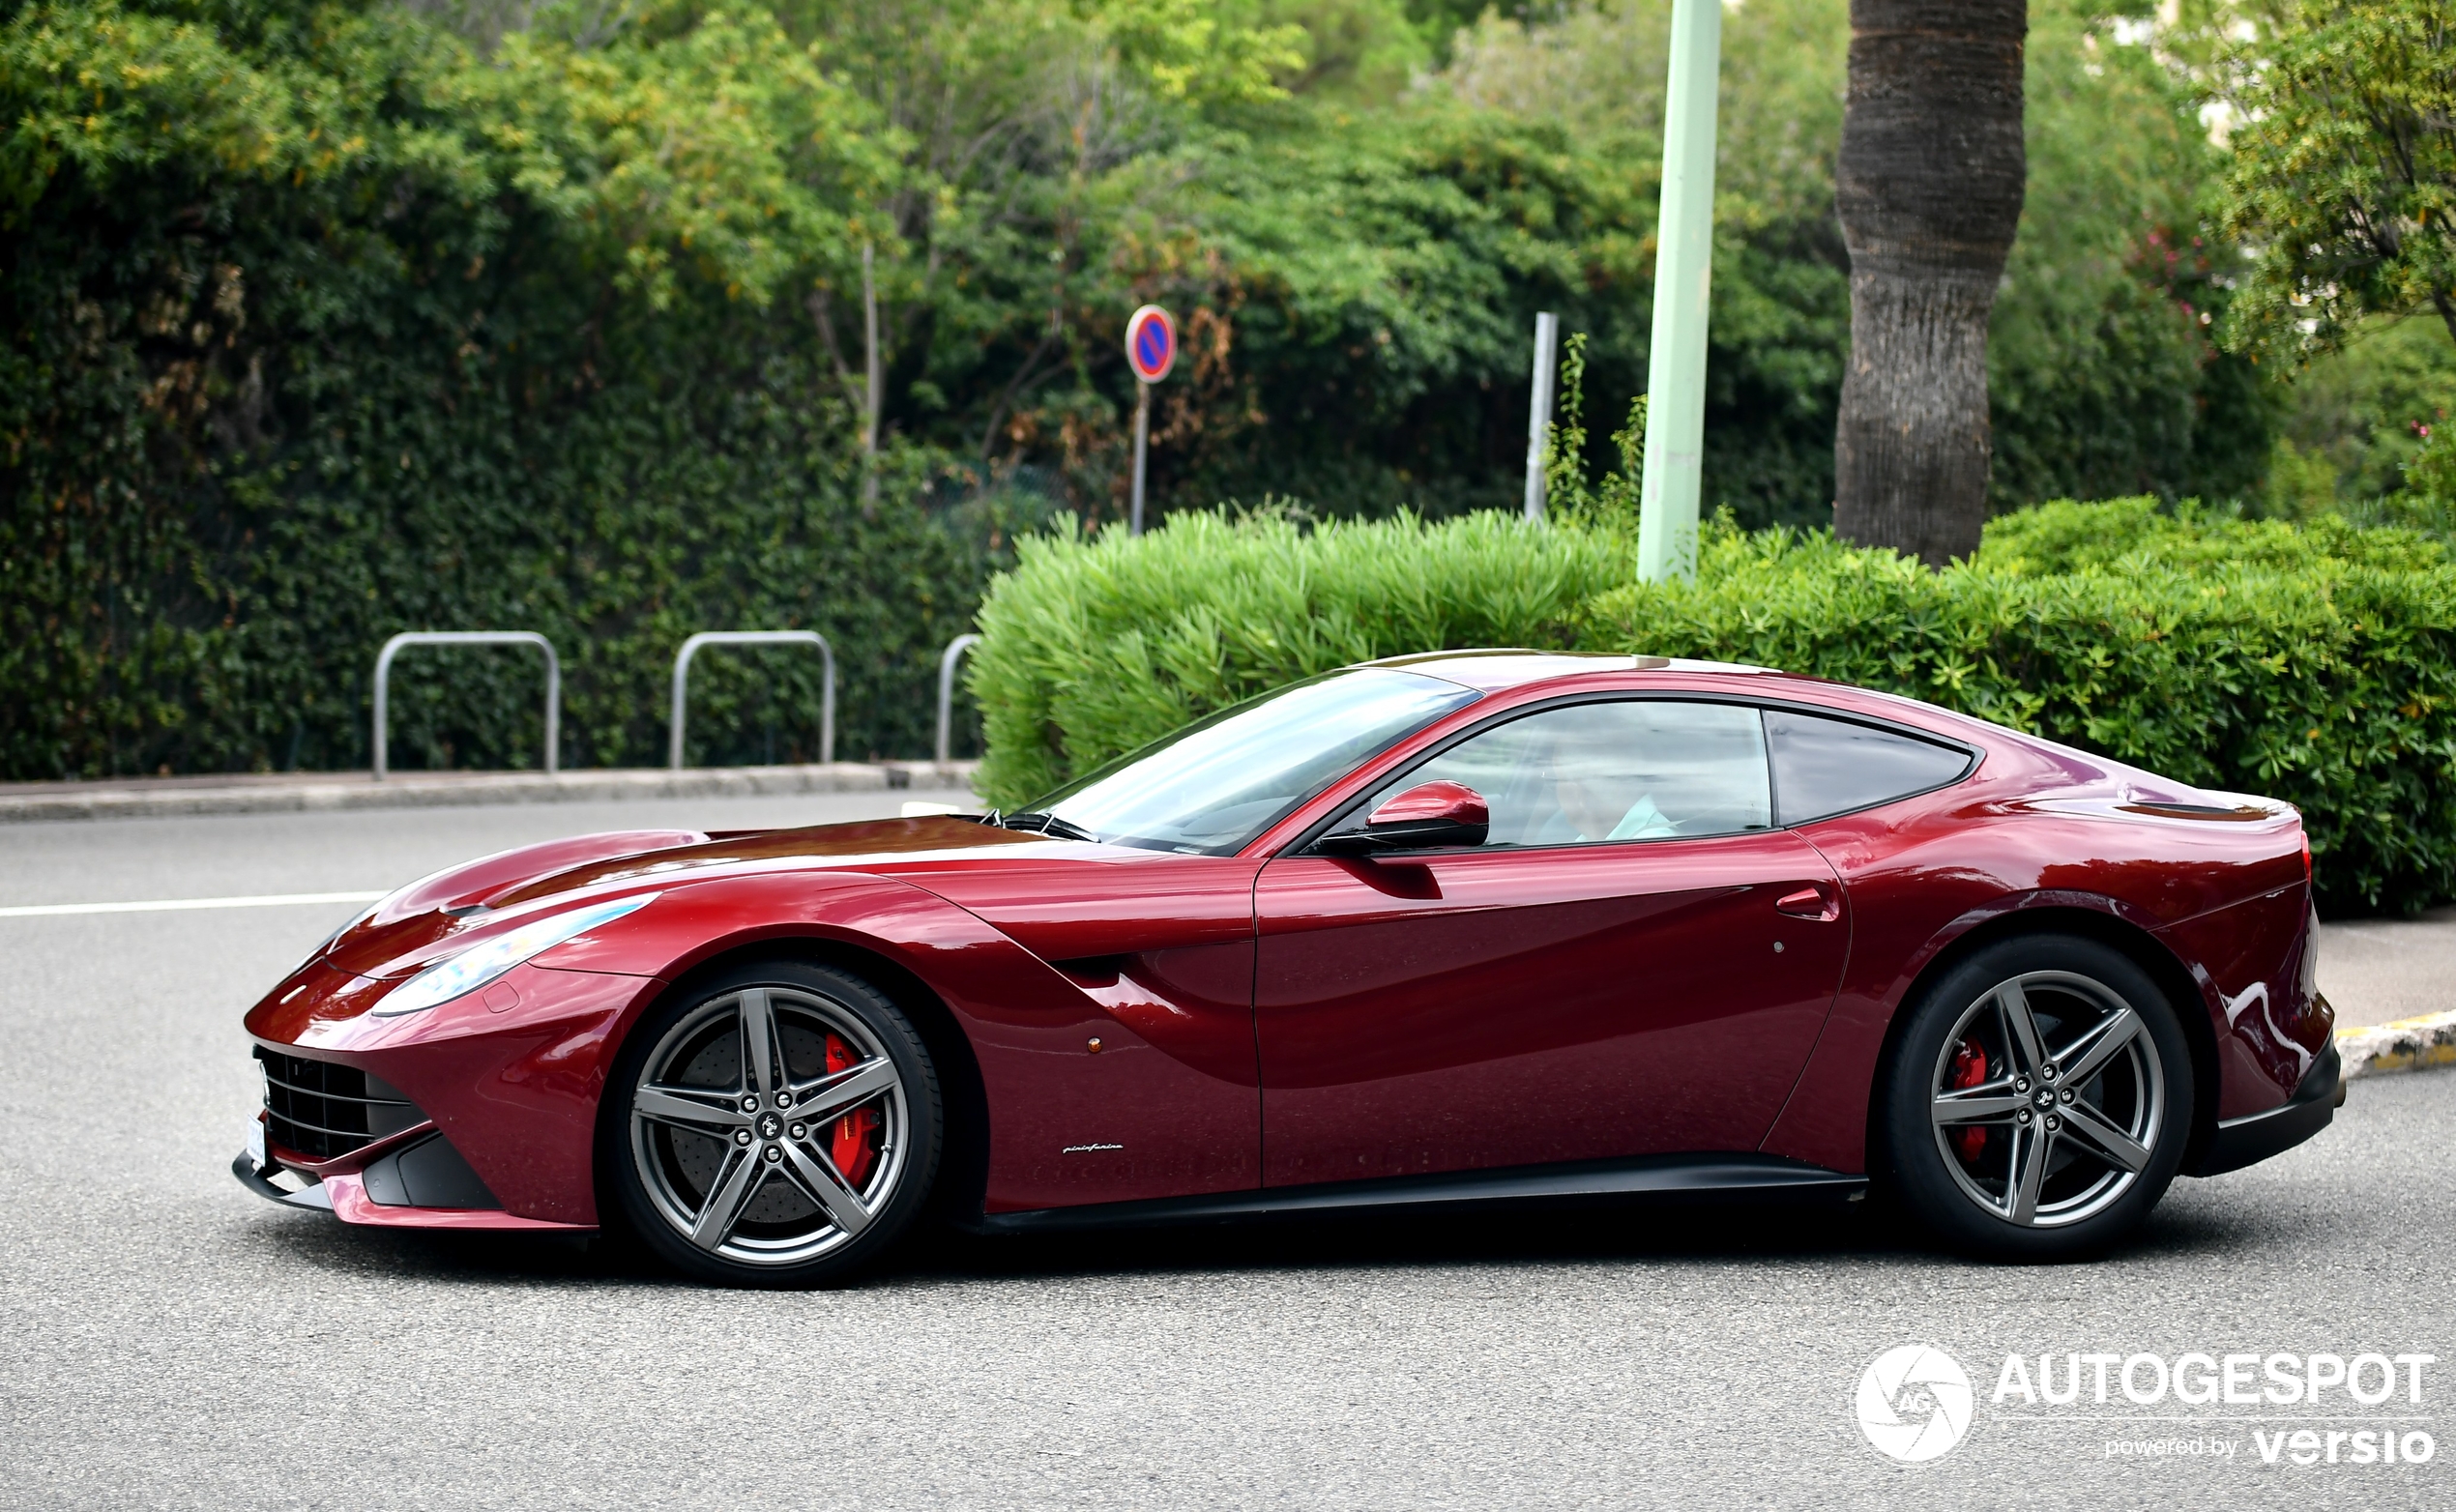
(1467, 927)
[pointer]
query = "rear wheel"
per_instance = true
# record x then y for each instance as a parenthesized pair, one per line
(780, 1125)
(2038, 1101)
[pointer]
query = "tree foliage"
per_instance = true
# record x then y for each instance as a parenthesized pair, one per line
(323, 319)
(2102, 372)
(2344, 171)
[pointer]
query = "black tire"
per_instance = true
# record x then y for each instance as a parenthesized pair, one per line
(779, 1201)
(2052, 1176)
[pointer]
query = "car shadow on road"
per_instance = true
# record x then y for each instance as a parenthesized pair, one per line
(1655, 1233)
(1661, 1234)
(1652, 1234)
(1626, 1233)
(361, 1252)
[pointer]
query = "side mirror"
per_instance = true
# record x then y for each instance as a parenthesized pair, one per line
(1429, 816)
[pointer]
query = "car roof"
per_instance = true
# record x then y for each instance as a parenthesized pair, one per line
(1517, 669)
(1501, 670)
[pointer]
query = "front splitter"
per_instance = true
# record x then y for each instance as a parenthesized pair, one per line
(314, 1199)
(344, 1196)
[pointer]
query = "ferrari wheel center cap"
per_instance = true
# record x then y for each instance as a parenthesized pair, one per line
(2046, 1098)
(771, 1125)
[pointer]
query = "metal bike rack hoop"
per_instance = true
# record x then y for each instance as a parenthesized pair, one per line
(947, 660)
(691, 648)
(554, 681)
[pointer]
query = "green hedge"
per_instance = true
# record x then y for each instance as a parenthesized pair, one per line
(265, 401)
(226, 618)
(2314, 665)
(1092, 647)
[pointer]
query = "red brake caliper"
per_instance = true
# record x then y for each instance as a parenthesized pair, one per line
(856, 1142)
(1969, 1068)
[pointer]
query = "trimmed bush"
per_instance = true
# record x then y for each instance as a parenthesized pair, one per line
(1091, 647)
(2318, 667)
(2120, 534)
(2316, 664)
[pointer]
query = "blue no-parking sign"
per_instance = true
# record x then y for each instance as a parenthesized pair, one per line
(1151, 343)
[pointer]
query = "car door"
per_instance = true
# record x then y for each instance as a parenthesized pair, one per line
(1634, 961)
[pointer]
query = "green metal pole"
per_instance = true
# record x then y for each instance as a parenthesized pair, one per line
(1684, 273)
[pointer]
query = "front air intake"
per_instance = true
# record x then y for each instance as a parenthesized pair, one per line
(322, 1110)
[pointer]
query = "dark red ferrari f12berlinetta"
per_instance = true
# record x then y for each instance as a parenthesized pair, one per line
(1469, 927)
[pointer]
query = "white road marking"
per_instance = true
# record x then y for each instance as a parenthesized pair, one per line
(181, 904)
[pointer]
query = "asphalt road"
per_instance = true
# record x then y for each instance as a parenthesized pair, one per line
(170, 1340)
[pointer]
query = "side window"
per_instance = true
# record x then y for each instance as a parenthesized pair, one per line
(1825, 767)
(1636, 770)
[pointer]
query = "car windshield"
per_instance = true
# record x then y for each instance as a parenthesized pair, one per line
(1211, 787)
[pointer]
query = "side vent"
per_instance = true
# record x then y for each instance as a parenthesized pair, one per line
(429, 1174)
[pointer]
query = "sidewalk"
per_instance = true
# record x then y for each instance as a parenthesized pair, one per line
(281, 792)
(2378, 970)
(2394, 984)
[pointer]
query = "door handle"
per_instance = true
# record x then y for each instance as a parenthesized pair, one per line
(1818, 902)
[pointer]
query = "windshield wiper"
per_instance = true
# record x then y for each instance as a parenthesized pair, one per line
(1049, 823)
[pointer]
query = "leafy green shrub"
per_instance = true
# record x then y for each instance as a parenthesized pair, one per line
(2318, 667)
(2316, 664)
(2120, 534)
(1094, 647)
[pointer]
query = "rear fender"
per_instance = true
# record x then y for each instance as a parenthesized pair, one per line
(1826, 1121)
(2252, 964)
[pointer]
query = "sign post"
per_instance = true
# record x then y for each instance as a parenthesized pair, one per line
(1151, 350)
(1683, 269)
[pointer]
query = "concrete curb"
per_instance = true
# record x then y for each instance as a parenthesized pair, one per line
(2414, 1044)
(152, 797)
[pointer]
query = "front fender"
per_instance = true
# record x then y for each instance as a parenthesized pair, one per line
(1151, 1073)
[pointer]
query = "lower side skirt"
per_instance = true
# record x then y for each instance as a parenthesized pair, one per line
(1682, 1177)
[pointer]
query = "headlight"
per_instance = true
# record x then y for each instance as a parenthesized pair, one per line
(481, 964)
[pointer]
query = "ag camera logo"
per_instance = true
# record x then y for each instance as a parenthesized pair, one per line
(1914, 1403)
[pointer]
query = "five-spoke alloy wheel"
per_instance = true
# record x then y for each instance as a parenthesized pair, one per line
(781, 1123)
(2039, 1099)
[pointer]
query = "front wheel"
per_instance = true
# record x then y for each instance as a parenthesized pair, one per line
(777, 1127)
(2038, 1101)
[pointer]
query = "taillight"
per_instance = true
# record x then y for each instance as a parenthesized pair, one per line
(2306, 859)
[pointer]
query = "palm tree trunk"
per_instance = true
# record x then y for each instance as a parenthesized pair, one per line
(1929, 186)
